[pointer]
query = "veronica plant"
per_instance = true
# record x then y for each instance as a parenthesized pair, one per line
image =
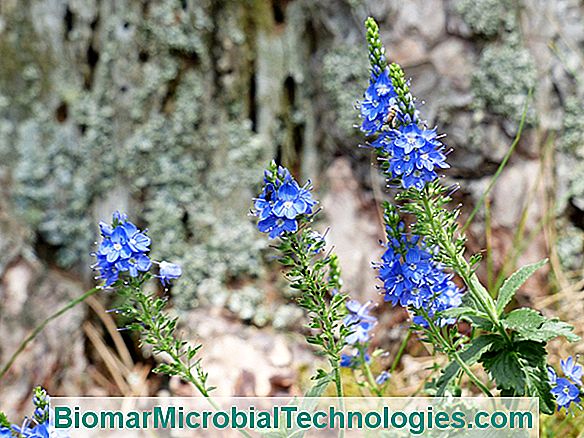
(339, 327)
(123, 265)
(286, 211)
(420, 260)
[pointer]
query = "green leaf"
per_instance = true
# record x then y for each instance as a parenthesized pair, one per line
(524, 320)
(4, 420)
(322, 381)
(520, 370)
(462, 312)
(504, 366)
(275, 434)
(553, 328)
(530, 325)
(514, 282)
(534, 359)
(470, 355)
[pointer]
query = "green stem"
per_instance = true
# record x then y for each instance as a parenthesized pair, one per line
(373, 387)
(400, 352)
(155, 330)
(184, 368)
(453, 354)
(462, 268)
(340, 395)
(41, 327)
(338, 381)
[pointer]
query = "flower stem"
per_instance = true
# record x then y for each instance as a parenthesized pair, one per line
(453, 354)
(478, 292)
(42, 325)
(155, 332)
(368, 374)
(400, 352)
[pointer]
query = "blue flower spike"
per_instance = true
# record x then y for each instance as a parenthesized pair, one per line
(282, 203)
(123, 248)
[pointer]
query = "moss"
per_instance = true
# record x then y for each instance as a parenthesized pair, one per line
(148, 126)
(502, 80)
(572, 140)
(570, 245)
(486, 17)
(344, 79)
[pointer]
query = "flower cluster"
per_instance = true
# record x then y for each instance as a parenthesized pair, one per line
(124, 248)
(566, 390)
(414, 154)
(360, 321)
(413, 279)
(281, 202)
(380, 98)
(38, 426)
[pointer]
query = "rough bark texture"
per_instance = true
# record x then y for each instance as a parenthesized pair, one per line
(169, 110)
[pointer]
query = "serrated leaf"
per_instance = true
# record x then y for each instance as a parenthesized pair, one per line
(520, 370)
(470, 355)
(553, 328)
(317, 390)
(534, 358)
(524, 320)
(514, 282)
(505, 368)
(530, 325)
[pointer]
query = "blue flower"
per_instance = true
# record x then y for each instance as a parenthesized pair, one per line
(414, 154)
(135, 264)
(552, 376)
(5, 432)
(276, 226)
(169, 271)
(359, 312)
(292, 201)
(137, 241)
(354, 359)
(572, 370)
(281, 202)
(412, 279)
(43, 430)
(395, 283)
(565, 393)
(123, 249)
(417, 264)
(379, 97)
(115, 246)
(360, 333)
(26, 431)
(382, 377)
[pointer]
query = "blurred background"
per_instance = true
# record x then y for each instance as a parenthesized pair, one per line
(170, 109)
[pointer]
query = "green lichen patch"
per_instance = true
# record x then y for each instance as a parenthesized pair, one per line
(486, 17)
(504, 76)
